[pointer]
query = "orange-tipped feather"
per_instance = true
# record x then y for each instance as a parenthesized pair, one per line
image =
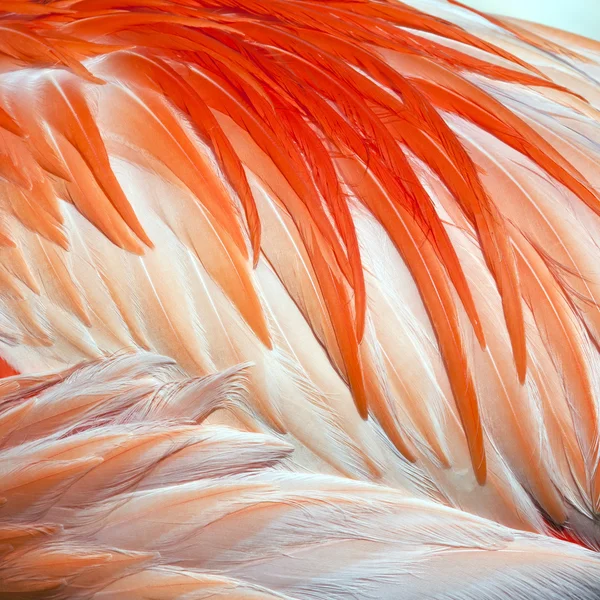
(298, 299)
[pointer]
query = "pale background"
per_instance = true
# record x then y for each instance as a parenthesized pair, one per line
(579, 16)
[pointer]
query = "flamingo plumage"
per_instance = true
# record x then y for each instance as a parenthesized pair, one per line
(300, 300)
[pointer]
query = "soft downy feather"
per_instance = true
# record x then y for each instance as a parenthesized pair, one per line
(197, 510)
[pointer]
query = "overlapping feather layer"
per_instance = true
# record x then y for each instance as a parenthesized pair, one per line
(390, 209)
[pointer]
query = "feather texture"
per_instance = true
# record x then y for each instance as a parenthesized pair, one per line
(363, 232)
(154, 502)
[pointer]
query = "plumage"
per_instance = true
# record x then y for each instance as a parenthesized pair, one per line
(297, 300)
